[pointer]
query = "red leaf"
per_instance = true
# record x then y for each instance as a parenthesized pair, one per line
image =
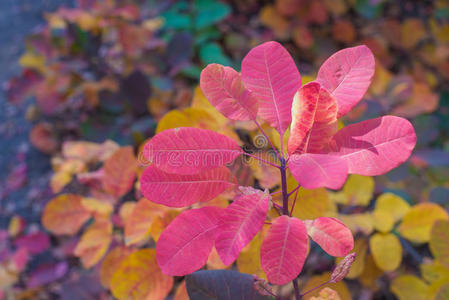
(314, 119)
(270, 73)
(224, 89)
(332, 235)
(120, 172)
(318, 170)
(240, 222)
(374, 147)
(185, 244)
(347, 75)
(187, 150)
(176, 190)
(284, 250)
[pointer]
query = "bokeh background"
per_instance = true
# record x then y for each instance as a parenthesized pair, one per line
(97, 71)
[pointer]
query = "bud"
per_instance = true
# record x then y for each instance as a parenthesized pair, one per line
(262, 286)
(342, 269)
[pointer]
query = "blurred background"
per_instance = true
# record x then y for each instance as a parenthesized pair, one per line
(81, 79)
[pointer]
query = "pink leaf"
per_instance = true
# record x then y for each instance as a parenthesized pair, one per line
(35, 243)
(224, 89)
(185, 244)
(176, 190)
(318, 170)
(332, 235)
(375, 146)
(271, 74)
(240, 222)
(187, 150)
(347, 75)
(284, 250)
(314, 119)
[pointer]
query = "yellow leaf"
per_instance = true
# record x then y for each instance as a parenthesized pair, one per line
(412, 31)
(434, 271)
(439, 242)
(360, 247)
(59, 180)
(383, 221)
(269, 17)
(443, 293)
(386, 250)
(65, 214)
(311, 204)
(362, 222)
(393, 204)
(417, 223)
(33, 61)
(200, 101)
(358, 189)
(16, 226)
(327, 294)
(94, 243)
(409, 287)
(370, 274)
(97, 206)
(111, 262)
(138, 277)
(340, 287)
(249, 259)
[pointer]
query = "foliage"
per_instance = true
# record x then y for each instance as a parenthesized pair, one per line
(95, 70)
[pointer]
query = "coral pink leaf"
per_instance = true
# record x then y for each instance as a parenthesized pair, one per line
(240, 222)
(347, 75)
(314, 119)
(284, 250)
(176, 190)
(374, 147)
(224, 89)
(318, 170)
(187, 150)
(270, 73)
(185, 244)
(332, 235)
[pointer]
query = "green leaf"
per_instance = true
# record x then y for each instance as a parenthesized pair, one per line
(212, 53)
(210, 12)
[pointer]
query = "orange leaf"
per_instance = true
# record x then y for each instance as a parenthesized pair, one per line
(94, 243)
(138, 224)
(65, 214)
(120, 172)
(139, 277)
(181, 292)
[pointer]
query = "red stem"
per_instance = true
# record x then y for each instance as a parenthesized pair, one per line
(261, 159)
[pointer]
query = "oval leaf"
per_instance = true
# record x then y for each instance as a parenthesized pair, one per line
(176, 190)
(438, 243)
(185, 244)
(284, 250)
(318, 170)
(120, 172)
(386, 250)
(187, 150)
(375, 146)
(138, 224)
(239, 223)
(222, 285)
(65, 214)
(139, 277)
(417, 224)
(332, 235)
(270, 73)
(314, 119)
(224, 89)
(347, 75)
(409, 287)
